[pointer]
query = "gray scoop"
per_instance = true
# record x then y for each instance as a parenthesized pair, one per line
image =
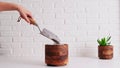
(49, 35)
(44, 32)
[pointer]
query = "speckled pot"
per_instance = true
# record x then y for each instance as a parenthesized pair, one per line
(56, 54)
(105, 52)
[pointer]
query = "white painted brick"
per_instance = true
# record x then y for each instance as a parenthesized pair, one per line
(115, 33)
(27, 51)
(92, 12)
(10, 45)
(103, 33)
(10, 34)
(74, 10)
(32, 45)
(47, 4)
(93, 44)
(89, 4)
(47, 16)
(54, 22)
(54, 10)
(9, 23)
(16, 52)
(66, 4)
(42, 39)
(75, 33)
(115, 43)
(59, 4)
(82, 14)
(66, 28)
(81, 4)
(86, 27)
(39, 51)
(72, 52)
(116, 27)
(38, 11)
(113, 13)
(8, 15)
(109, 27)
(114, 20)
(22, 52)
(67, 39)
(22, 28)
(70, 4)
(93, 27)
(92, 38)
(76, 44)
(115, 38)
(31, 1)
(106, 4)
(5, 45)
(6, 39)
(92, 15)
(5, 51)
(66, 16)
(16, 45)
(92, 33)
(5, 28)
(81, 39)
(76, 22)
(22, 39)
(30, 34)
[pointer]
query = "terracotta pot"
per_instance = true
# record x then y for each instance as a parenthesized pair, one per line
(105, 52)
(56, 54)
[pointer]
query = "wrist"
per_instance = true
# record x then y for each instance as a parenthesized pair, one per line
(17, 7)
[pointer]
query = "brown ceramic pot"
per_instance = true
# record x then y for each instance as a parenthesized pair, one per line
(105, 52)
(56, 54)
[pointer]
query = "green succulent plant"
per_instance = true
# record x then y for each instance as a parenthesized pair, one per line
(104, 41)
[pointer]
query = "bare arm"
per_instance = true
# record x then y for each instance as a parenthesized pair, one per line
(24, 13)
(4, 6)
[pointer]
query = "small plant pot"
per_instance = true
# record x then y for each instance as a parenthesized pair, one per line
(56, 54)
(105, 52)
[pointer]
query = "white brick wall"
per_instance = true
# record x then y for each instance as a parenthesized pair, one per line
(77, 22)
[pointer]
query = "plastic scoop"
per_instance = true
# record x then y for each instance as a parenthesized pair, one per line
(45, 32)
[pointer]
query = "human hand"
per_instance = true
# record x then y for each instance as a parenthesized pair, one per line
(25, 14)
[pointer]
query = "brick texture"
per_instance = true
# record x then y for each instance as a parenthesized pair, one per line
(78, 23)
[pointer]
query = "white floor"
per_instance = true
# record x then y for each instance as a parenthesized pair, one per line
(74, 62)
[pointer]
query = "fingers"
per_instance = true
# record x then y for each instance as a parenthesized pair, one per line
(24, 16)
(29, 16)
(30, 19)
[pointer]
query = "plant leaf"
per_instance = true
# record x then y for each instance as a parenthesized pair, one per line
(104, 41)
(98, 41)
(108, 38)
(109, 43)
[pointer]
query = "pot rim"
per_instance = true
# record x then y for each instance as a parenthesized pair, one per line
(55, 44)
(104, 46)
